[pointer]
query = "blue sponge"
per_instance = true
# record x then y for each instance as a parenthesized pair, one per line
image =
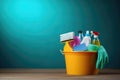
(80, 47)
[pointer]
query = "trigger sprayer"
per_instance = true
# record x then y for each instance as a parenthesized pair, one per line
(96, 40)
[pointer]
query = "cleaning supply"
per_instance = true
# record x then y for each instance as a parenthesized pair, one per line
(67, 47)
(67, 36)
(74, 42)
(81, 47)
(93, 47)
(91, 35)
(102, 58)
(91, 32)
(80, 63)
(96, 39)
(77, 39)
(86, 39)
(80, 35)
(81, 56)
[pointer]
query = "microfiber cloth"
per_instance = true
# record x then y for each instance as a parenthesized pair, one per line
(92, 47)
(102, 58)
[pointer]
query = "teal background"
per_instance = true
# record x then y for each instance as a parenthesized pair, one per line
(30, 29)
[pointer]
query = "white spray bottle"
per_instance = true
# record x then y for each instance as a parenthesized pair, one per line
(87, 39)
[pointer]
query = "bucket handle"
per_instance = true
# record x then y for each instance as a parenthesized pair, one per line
(61, 52)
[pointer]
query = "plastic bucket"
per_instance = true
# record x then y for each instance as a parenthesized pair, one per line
(81, 63)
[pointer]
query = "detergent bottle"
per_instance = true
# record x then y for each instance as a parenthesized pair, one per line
(91, 34)
(96, 40)
(86, 39)
(80, 35)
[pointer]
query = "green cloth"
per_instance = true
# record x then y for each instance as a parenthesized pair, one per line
(102, 58)
(92, 47)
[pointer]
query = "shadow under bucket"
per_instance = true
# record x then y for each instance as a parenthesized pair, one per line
(81, 63)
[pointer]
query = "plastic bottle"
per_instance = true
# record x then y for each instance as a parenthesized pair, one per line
(86, 39)
(80, 35)
(91, 33)
(96, 40)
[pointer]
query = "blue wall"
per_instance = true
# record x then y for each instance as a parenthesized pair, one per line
(30, 29)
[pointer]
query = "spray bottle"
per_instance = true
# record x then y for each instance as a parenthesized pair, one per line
(80, 35)
(91, 32)
(96, 39)
(86, 39)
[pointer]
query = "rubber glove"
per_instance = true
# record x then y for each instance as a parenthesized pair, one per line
(102, 58)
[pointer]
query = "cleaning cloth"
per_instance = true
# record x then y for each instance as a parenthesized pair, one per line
(74, 42)
(92, 47)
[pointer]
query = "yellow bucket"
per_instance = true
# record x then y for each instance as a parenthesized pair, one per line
(81, 63)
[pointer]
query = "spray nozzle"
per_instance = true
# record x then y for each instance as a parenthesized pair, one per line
(96, 33)
(91, 32)
(87, 33)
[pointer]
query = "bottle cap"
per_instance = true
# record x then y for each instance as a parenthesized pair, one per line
(87, 33)
(95, 33)
(91, 32)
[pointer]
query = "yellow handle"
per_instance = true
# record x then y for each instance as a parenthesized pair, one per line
(67, 47)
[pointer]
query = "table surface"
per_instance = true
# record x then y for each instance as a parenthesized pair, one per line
(55, 74)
